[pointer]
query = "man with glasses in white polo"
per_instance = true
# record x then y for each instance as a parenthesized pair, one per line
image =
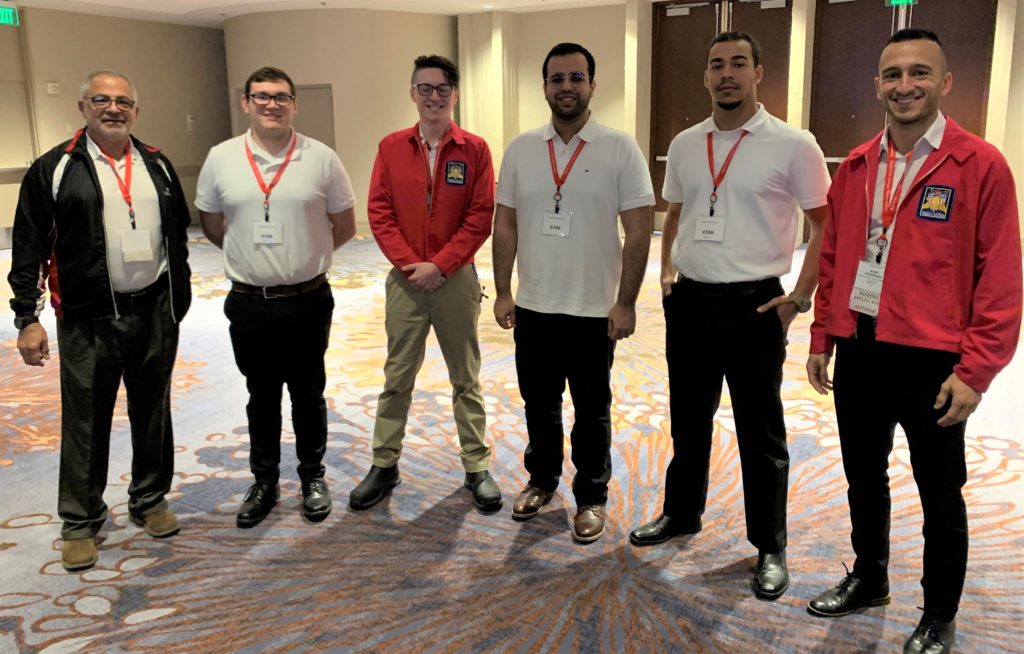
(278, 203)
(562, 191)
(111, 247)
(430, 206)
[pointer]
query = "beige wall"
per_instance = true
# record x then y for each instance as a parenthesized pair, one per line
(178, 70)
(366, 56)
(600, 30)
(1013, 145)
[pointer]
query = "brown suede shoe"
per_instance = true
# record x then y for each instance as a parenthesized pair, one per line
(588, 525)
(159, 524)
(529, 502)
(78, 554)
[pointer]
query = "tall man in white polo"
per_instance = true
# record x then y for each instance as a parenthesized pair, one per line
(734, 184)
(561, 192)
(279, 204)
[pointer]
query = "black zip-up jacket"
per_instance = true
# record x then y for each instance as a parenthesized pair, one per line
(64, 238)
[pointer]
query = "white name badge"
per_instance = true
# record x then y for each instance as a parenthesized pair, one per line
(867, 288)
(557, 224)
(266, 233)
(709, 228)
(136, 246)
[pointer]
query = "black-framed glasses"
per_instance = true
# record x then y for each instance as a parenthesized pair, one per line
(103, 101)
(443, 90)
(263, 99)
(575, 77)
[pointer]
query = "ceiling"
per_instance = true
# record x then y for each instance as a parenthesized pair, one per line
(213, 13)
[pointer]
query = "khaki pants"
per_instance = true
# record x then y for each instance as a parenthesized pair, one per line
(453, 311)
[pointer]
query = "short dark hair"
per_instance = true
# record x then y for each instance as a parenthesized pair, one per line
(911, 34)
(725, 37)
(269, 74)
(563, 49)
(447, 66)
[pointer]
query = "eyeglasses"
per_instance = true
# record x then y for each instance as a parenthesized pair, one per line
(103, 101)
(263, 99)
(443, 90)
(575, 77)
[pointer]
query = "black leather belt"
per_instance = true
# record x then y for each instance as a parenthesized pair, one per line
(285, 290)
(726, 289)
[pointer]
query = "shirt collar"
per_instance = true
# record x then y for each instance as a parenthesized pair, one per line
(259, 152)
(932, 137)
(97, 154)
(588, 133)
(752, 125)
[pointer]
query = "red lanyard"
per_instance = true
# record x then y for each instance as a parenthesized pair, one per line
(560, 179)
(277, 176)
(124, 185)
(890, 200)
(716, 179)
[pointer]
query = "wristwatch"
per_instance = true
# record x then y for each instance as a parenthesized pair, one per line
(803, 304)
(21, 322)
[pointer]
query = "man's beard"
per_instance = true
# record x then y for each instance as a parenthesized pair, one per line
(729, 106)
(569, 114)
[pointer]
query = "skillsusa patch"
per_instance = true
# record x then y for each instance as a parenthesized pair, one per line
(936, 203)
(456, 173)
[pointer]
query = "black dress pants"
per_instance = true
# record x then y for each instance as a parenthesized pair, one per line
(550, 350)
(280, 341)
(878, 385)
(713, 332)
(140, 346)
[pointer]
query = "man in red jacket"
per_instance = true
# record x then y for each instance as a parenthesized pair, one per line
(430, 208)
(920, 293)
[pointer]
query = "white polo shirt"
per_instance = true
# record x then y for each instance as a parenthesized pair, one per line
(313, 185)
(776, 170)
(577, 274)
(127, 276)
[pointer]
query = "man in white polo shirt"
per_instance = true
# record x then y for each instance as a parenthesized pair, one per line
(279, 204)
(561, 189)
(734, 184)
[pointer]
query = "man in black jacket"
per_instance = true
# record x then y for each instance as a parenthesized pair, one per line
(111, 247)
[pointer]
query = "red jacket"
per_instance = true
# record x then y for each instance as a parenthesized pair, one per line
(953, 275)
(457, 221)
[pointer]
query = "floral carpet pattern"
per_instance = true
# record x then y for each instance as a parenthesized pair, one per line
(426, 572)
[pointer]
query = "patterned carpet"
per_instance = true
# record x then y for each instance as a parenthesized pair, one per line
(424, 571)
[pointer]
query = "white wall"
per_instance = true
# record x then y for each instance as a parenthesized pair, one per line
(367, 58)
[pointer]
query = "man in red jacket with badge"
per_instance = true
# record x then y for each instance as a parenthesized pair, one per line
(920, 294)
(430, 208)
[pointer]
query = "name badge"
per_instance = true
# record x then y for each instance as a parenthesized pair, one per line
(867, 288)
(557, 224)
(136, 246)
(709, 228)
(266, 233)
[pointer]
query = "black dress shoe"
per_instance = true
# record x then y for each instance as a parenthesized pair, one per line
(851, 594)
(661, 529)
(316, 499)
(932, 636)
(376, 486)
(771, 578)
(486, 494)
(256, 505)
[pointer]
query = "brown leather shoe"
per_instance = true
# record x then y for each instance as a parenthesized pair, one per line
(78, 554)
(529, 502)
(588, 525)
(159, 524)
